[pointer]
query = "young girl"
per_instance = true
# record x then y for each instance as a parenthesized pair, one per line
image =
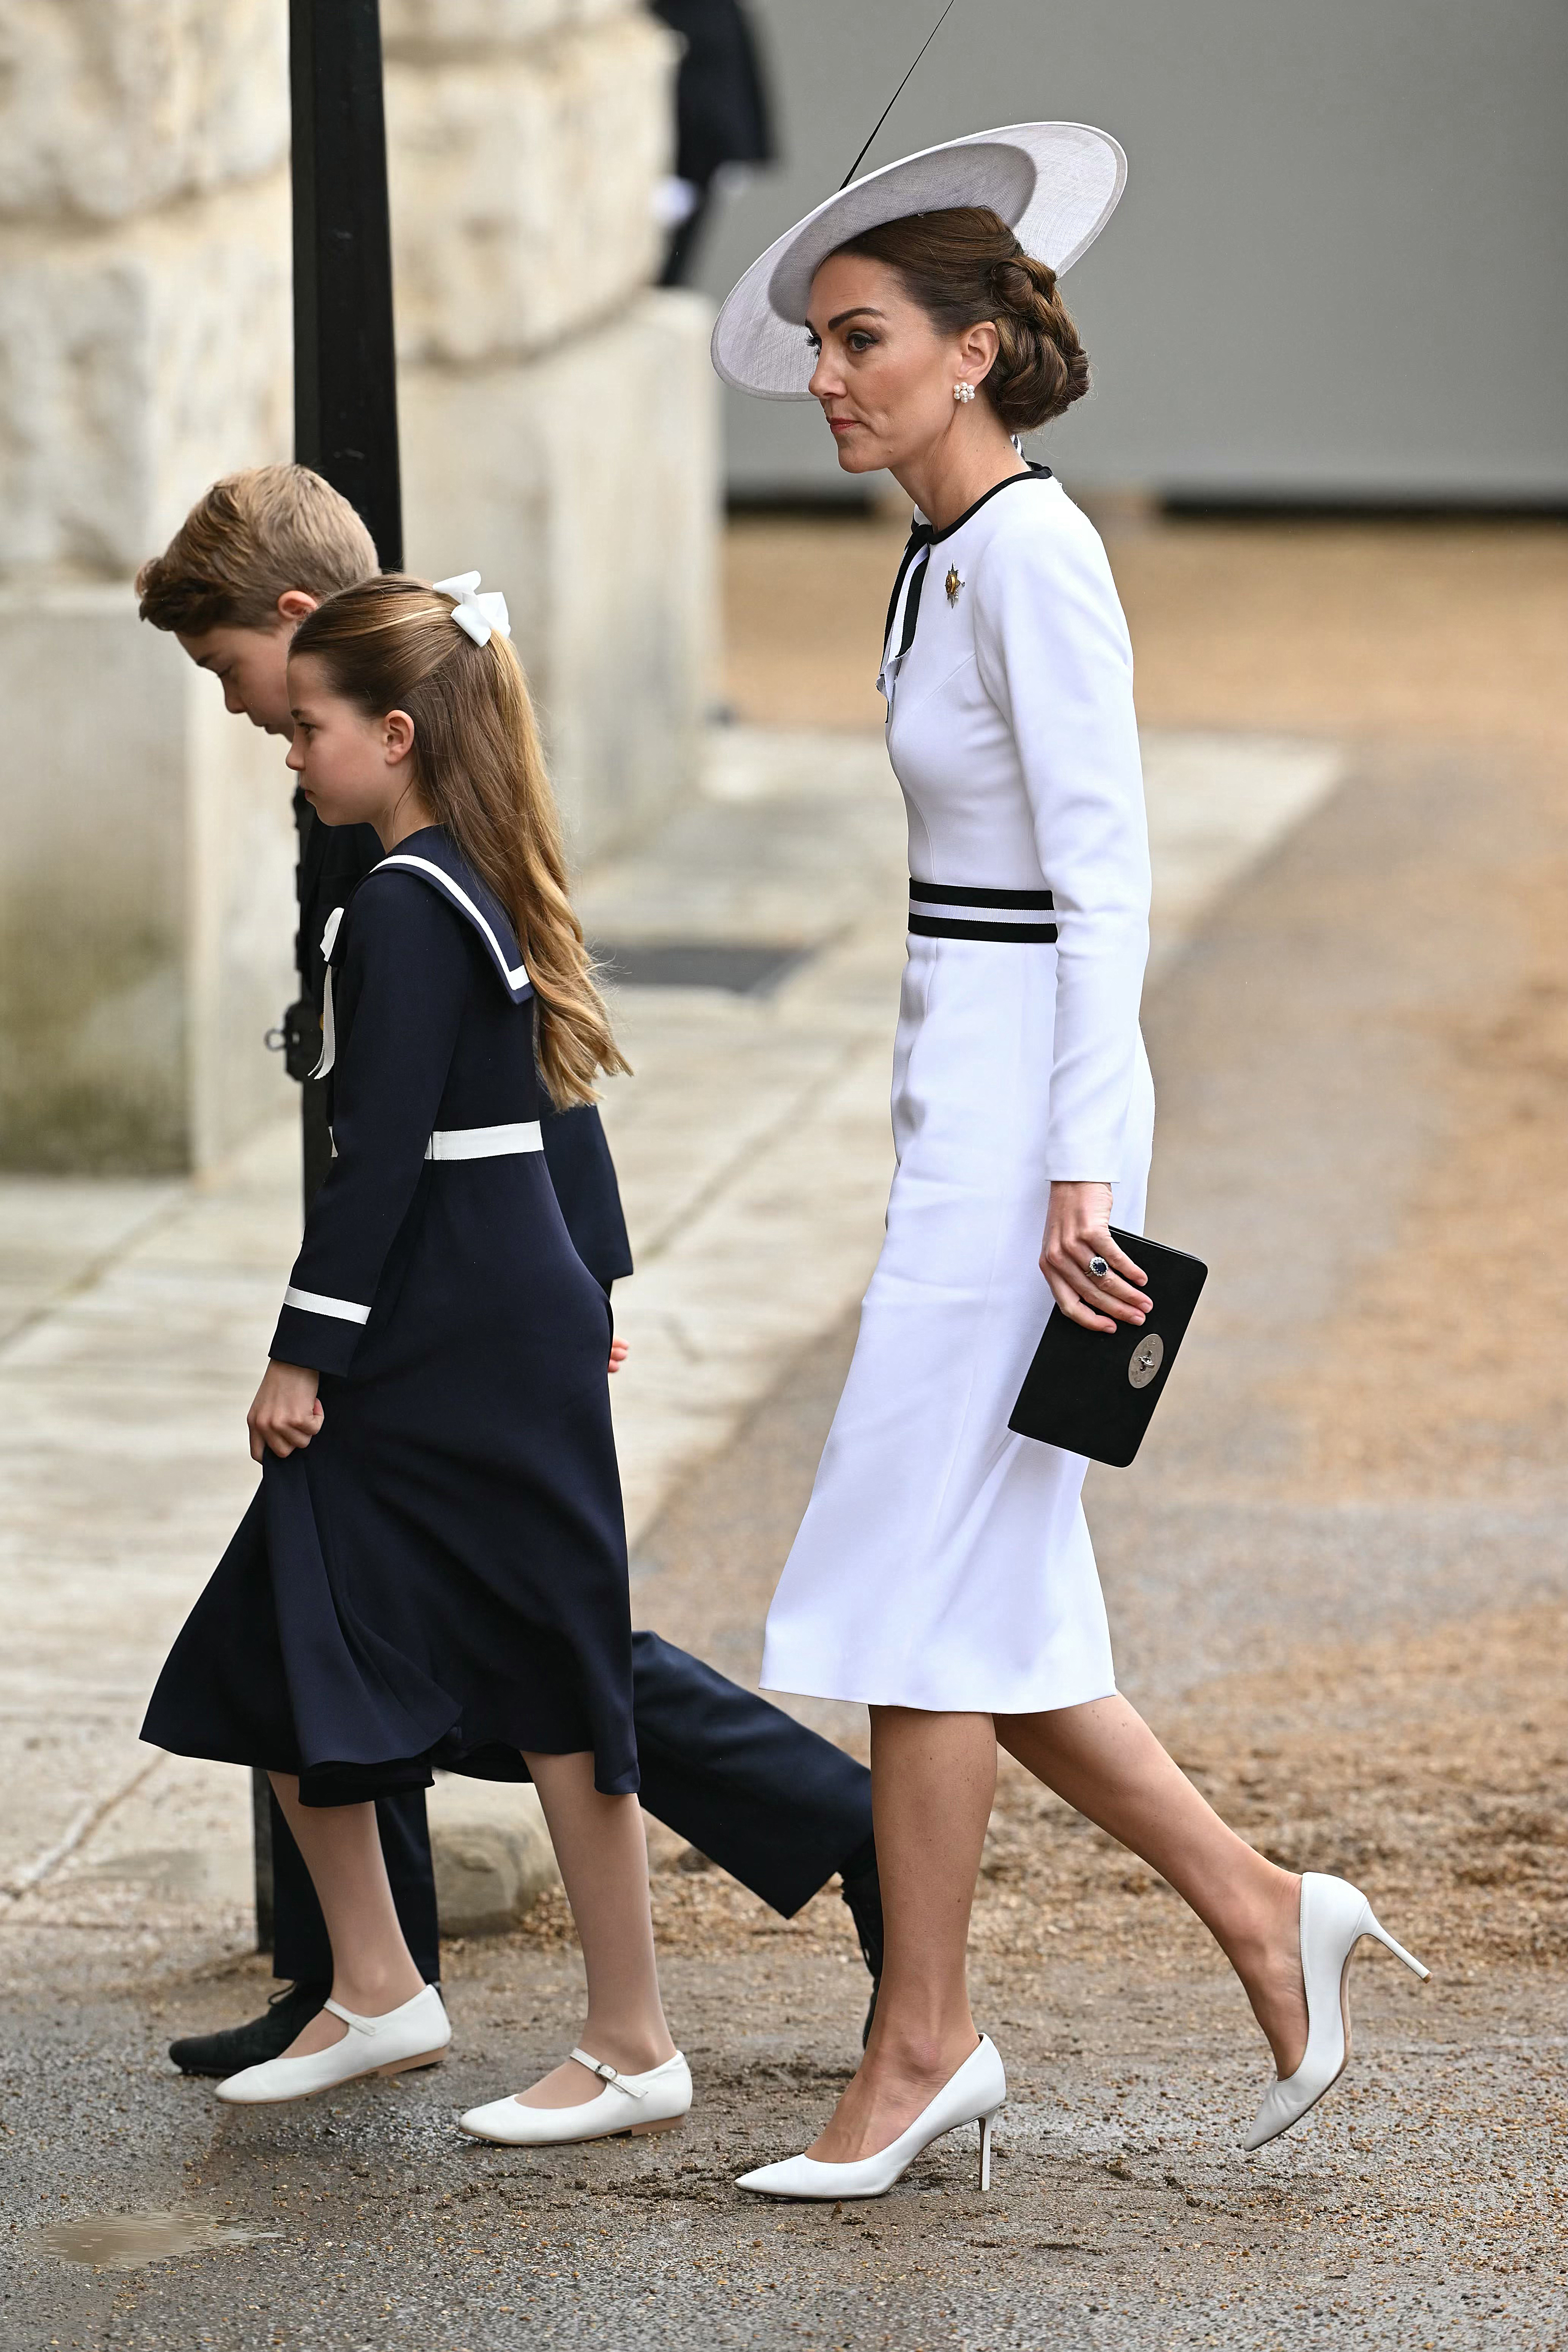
(434, 1570)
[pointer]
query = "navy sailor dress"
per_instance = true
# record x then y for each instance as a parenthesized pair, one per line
(439, 1579)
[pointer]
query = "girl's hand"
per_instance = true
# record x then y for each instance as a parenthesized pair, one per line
(619, 1351)
(1076, 1230)
(286, 1413)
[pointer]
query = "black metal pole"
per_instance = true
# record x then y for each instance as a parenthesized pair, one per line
(346, 428)
(345, 386)
(345, 380)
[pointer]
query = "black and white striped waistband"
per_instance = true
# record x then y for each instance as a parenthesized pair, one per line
(939, 910)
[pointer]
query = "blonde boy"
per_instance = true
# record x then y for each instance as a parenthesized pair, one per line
(256, 553)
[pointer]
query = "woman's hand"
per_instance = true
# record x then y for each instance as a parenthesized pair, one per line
(286, 1413)
(619, 1351)
(1076, 1230)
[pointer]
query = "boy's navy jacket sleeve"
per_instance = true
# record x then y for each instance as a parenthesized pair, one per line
(577, 1153)
(399, 989)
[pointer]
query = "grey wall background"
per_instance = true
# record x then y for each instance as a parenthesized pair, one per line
(1338, 271)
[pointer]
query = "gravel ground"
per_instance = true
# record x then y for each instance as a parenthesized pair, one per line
(1339, 1584)
(1122, 2213)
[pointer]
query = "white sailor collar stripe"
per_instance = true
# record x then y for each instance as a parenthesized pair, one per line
(515, 976)
(329, 1053)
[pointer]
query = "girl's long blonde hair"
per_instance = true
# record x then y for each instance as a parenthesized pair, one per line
(390, 644)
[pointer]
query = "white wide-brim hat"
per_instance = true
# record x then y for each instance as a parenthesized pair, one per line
(1056, 185)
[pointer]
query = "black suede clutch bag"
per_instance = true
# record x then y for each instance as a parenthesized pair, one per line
(1094, 1391)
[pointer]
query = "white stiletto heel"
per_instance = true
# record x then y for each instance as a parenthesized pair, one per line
(973, 2095)
(1374, 1927)
(1335, 1915)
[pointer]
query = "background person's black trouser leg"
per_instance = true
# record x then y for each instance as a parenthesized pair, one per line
(300, 1945)
(778, 1807)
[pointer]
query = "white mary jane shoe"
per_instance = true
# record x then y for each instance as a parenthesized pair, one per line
(1335, 1915)
(416, 2034)
(973, 2095)
(652, 2102)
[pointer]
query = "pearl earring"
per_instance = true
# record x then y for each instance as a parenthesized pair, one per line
(963, 393)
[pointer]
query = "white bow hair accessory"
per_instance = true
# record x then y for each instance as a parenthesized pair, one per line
(475, 615)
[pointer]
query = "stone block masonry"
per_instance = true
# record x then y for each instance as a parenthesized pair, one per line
(559, 421)
(138, 361)
(110, 108)
(519, 187)
(582, 482)
(145, 896)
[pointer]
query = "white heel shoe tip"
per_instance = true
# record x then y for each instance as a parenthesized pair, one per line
(973, 2095)
(1334, 1918)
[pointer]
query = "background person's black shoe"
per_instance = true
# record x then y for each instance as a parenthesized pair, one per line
(287, 2013)
(862, 1891)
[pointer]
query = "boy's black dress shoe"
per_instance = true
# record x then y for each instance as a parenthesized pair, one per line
(288, 2011)
(862, 1891)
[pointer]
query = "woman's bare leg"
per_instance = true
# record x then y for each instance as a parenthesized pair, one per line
(603, 1853)
(933, 1780)
(1105, 1761)
(371, 1968)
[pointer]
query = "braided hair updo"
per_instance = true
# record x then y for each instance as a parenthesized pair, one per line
(966, 265)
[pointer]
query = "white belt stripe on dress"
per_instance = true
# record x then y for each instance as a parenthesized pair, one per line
(965, 911)
(447, 1143)
(484, 1142)
(480, 1142)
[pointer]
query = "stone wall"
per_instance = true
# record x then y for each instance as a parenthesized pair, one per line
(558, 422)
(557, 425)
(144, 347)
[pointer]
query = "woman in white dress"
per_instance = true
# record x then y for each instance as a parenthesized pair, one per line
(944, 1573)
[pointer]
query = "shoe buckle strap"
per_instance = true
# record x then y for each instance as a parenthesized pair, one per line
(608, 2075)
(356, 2025)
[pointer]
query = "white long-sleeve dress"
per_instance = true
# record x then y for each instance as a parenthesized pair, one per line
(943, 1563)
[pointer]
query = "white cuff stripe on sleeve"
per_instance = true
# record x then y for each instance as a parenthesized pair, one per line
(312, 1302)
